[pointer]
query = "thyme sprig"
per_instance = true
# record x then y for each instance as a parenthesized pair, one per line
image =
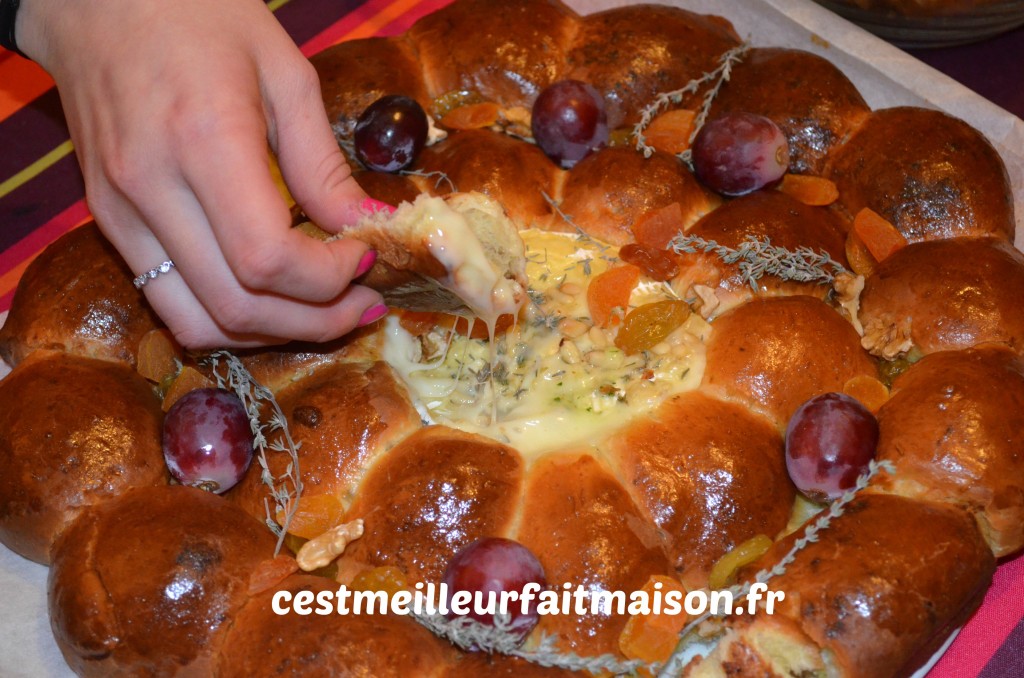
(469, 634)
(285, 489)
(673, 665)
(719, 76)
(757, 258)
(584, 236)
(441, 177)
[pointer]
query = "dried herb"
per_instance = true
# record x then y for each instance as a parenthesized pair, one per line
(468, 634)
(662, 101)
(285, 489)
(757, 258)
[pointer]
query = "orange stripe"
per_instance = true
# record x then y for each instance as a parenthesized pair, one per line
(29, 247)
(9, 280)
(23, 82)
(368, 20)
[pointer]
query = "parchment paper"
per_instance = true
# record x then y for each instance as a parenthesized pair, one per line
(886, 76)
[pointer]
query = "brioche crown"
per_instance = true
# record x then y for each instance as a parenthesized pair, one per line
(693, 464)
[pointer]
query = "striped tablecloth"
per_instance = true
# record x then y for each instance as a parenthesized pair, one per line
(42, 196)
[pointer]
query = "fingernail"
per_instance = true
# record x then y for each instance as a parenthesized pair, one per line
(373, 206)
(372, 314)
(366, 263)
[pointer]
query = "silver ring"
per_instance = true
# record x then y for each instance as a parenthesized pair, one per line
(143, 278)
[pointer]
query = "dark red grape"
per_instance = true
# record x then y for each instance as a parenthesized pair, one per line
(740, 152)
(208, 442)
(830, 441)
(569, 121)
(496, 564)
(390, 133)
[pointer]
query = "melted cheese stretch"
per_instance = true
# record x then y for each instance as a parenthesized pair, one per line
(549, 390)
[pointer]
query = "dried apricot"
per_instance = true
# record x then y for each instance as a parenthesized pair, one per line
(878, 234)
(188, 379)
(656, 228)
(810, 190)
(650, 324)
(653, 637)
(670, 132)
(656, 264)
(472, 116)
(870, 392)
(270, 573)
(314, 515)
(159, 355)
(609, 291)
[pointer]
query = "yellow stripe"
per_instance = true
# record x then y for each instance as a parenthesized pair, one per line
(36, 168)
(275, 5)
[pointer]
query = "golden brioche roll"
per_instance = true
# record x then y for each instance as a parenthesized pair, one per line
(262, 643)
(148, 583)
(344, 416)
(709, 474)
(874, 596)
(586, 531)
(609, 190)
(74, 432)
(954, 428)
(775, 216)
(945, 295)
(514, 173)
(280, 366)
(667, 46)
(77, 296)
(775, 353)
(945, 183)
(507, 52)
(811, 100)
(434, 493)
(355, 73)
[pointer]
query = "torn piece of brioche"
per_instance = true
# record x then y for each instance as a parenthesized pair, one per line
(459, 254)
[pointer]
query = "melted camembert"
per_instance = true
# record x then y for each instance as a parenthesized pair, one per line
(553, 379)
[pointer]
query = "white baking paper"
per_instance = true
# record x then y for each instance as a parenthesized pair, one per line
(885, 75)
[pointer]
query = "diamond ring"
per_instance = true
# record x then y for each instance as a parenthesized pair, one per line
(143, 278)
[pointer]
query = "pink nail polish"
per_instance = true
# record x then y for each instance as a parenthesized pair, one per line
(371, 205)
(366, 263)
(372, 314)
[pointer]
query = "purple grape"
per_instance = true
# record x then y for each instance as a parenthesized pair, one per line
(390, 133)
(740, 152)
(569, 121)
(830, 441)
(496, 564)
(208, 442)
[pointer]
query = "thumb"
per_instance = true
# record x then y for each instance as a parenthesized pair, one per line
(312, 164)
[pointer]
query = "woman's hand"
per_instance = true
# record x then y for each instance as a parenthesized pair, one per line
(171, 107)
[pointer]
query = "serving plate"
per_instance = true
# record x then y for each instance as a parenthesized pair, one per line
(884, 75)
(938, 30)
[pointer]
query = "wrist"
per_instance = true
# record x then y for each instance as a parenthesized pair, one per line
(30, 28)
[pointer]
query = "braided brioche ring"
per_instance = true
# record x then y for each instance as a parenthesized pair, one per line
(155, 580)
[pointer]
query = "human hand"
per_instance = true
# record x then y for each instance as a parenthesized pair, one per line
(171, 107)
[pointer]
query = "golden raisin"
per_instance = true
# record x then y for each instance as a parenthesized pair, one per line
(650, 324)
